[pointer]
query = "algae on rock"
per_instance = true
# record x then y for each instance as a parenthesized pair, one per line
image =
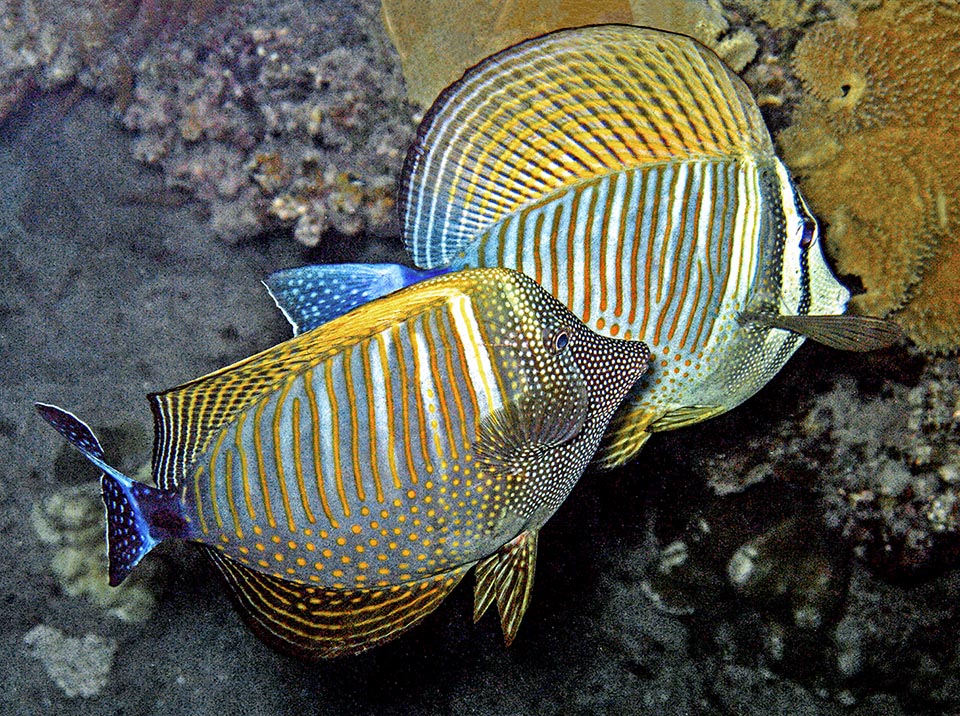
(78, 665)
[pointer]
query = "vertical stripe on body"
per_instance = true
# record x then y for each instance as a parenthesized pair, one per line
(671, 244)
(361, 427)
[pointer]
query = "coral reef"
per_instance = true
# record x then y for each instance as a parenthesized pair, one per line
(755, 551)
(78, 665)
(798, 559)
(289, 116)
(45, 44)
(893, 475)
(875, 152)
(886, 467)
(72, 522)
(270, 114)
(780, 14)
(438, 39)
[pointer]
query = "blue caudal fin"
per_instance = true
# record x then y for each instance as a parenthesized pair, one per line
(138, 516)
(309, 296)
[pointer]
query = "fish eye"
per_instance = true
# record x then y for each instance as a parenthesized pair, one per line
(561, 339)
(809, 231)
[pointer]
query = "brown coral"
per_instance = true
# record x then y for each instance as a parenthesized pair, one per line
(876, 154)
(438, 39)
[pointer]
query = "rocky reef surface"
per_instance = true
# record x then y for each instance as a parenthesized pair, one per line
(797, 555)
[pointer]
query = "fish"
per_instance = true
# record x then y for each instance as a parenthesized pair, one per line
(344, 481)
(630, 173)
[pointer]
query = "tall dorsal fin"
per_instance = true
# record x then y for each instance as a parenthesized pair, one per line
(319, 622)
(187, 417)
(507, 575)
(561, 109)
(310, 296)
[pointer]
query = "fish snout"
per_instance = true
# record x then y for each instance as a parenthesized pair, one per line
(638, 358)
(618, 364)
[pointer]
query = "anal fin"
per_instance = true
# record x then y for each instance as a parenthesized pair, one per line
(318, 622)
(627, 434)
(507, 576)
(631, 429)
(682, 417)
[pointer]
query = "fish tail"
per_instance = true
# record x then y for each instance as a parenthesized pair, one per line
(138, 516)
(310, 296)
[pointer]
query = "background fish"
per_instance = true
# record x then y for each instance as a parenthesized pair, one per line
(344, 481)
(629, 172)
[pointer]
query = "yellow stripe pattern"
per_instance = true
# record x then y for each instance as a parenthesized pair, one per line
(561, 109)
(358, 447)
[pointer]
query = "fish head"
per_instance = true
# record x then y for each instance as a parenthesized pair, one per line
(807, 285)
(556, 362)
(795, 295)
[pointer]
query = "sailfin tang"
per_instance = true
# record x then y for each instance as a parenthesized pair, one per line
(309, 296)
(507, 576)
(187, 417)
(138, 516)
(316, 622)
(553, 112)
(845, 333)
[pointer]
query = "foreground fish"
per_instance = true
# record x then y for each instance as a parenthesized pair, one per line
(344, 481)
(630, 173)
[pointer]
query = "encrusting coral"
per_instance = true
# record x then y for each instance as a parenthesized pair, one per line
(438, 39)
(72, 522)
(79, 665)
(875, 150)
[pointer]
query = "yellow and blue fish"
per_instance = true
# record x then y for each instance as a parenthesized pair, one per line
(344, 481)
(630, 173)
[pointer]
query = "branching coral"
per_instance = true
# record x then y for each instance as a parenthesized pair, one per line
(438, 39)
(876, 153)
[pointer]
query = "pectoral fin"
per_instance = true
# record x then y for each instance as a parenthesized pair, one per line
(316, 622)
(845, 333)
(516, 435)
(507, 575)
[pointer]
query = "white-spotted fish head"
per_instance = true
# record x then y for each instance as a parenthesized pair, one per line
(583, 375)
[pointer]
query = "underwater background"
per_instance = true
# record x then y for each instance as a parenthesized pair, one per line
(797, 555)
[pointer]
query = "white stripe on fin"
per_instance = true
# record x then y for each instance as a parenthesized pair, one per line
(548, 113)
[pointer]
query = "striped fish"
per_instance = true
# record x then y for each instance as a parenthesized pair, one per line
(345, 480)
(629, 172)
